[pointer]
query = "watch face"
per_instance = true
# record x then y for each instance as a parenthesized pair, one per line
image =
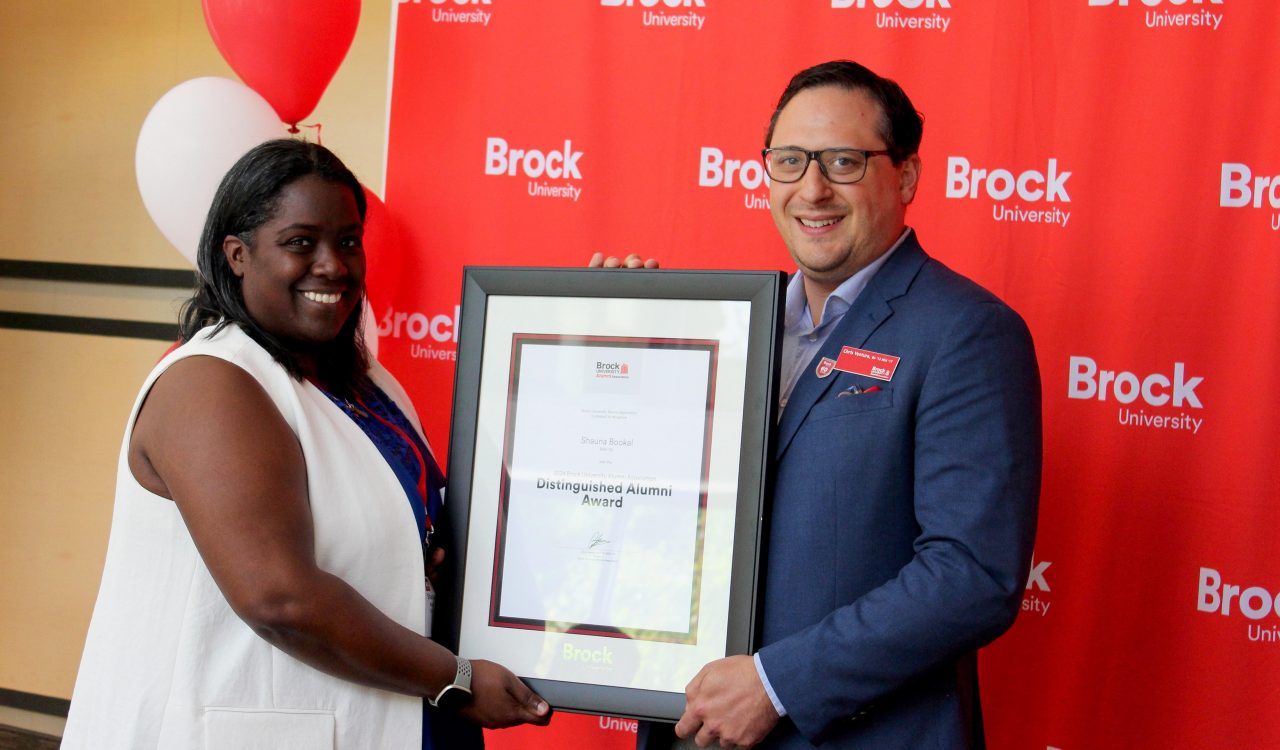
(453, 698)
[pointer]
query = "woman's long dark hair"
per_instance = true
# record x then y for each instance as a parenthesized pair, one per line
(247, 198)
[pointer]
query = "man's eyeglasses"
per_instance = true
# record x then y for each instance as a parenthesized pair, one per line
(839, 165)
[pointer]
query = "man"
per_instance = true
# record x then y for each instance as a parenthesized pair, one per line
(904, 512)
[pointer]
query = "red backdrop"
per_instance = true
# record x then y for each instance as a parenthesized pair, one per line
(1129, 208)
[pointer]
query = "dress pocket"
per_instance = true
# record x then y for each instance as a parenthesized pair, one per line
(267, 729)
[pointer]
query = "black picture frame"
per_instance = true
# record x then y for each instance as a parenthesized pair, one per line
(608, 290)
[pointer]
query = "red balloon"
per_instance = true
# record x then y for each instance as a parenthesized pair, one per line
(286, 50)
(383, 260)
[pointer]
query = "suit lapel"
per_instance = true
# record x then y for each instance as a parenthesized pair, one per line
(869, 311)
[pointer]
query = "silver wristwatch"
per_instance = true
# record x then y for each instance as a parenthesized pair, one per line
(457, 693)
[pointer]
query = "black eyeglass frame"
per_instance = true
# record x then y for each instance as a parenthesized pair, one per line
(812, 156)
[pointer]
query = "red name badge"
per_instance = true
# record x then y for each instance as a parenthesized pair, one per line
(863, 362)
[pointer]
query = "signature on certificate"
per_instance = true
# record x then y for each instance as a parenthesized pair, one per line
(597, 540)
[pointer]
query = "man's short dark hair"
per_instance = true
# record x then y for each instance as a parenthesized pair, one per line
(900, 126)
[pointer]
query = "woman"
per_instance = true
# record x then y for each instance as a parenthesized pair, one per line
(275, 500)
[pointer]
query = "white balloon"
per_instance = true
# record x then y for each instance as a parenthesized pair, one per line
(369, 327)
(191, 137)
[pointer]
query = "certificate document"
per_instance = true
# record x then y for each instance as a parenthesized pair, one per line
(603, 493)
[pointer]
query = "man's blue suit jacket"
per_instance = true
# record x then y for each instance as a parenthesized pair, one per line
(902, 520)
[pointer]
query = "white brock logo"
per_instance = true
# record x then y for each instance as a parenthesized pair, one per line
(654, 3)
(1032, 186)
(1213, 595)
(1157, 14)
(1086, 381)
(500, 158)
(882, 4)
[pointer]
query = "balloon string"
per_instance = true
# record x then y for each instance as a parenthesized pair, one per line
(317, 129)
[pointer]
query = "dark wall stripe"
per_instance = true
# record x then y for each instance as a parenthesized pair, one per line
(131, 329)
(41, 704)
(88, 273)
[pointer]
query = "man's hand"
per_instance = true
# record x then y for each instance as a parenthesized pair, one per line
(631, 261)
(726, 701)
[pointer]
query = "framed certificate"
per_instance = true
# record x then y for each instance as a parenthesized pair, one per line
(608, 468)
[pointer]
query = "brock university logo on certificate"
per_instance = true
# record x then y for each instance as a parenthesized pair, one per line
(603, 491)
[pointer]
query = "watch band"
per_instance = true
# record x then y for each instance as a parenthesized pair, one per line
(460, 688)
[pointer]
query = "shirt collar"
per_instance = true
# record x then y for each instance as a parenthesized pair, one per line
(798, 322)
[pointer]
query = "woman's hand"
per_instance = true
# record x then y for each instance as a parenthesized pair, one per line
(433, 566)
(598, 260)
(499, 699)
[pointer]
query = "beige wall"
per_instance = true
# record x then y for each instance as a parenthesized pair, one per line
(77, 79)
